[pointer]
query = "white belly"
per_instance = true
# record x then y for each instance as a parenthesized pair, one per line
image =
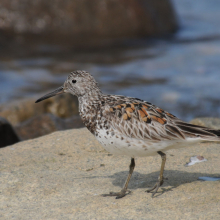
(118, 144)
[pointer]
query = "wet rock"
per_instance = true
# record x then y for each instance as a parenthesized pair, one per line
(45, 124)
(85, 20)
(19, 111)
(207, 122)
(8, 135)
(62, 176)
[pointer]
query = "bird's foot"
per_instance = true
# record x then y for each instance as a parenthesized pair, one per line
(118, 195)
(155, 188)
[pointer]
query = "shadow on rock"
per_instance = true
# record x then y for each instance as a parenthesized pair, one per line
(173, 178)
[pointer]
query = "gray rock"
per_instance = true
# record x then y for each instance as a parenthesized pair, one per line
(8, 135)
(62, 176)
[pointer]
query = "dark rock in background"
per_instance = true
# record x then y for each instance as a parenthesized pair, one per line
(7, 134)
(62, 106)
(45, 124)
(31, 120)
(82, 23)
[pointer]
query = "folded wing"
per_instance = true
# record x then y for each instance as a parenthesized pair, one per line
(142, 120)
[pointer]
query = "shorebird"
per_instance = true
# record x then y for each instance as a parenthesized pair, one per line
(130, 126)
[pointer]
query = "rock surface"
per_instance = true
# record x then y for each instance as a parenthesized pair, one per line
(61, 176)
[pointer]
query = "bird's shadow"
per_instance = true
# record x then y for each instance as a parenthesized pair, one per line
(172, 178)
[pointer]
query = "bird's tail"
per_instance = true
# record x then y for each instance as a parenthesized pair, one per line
(196, 131)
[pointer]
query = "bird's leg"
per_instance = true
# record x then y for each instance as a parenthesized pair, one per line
(122, 193)
(160, 178)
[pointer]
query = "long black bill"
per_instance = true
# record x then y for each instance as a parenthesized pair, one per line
(58, 91)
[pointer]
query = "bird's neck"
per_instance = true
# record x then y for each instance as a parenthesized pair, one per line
(89, 101)
(89, 108)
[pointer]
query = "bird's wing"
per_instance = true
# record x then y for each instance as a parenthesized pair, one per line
(142, 120)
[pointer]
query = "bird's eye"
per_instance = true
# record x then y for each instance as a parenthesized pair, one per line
(73, 81)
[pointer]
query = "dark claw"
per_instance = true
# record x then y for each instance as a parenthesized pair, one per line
(155, 188)
(118, 195)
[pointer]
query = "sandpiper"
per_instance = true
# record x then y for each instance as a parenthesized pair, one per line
(130, 126)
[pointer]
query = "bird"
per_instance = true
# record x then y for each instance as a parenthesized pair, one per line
(130, 126)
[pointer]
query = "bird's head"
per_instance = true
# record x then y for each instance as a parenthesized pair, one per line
(78, 83)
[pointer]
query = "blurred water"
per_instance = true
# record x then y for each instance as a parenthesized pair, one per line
(181, 75)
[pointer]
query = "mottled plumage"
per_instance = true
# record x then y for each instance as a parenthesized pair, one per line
(130, 126)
